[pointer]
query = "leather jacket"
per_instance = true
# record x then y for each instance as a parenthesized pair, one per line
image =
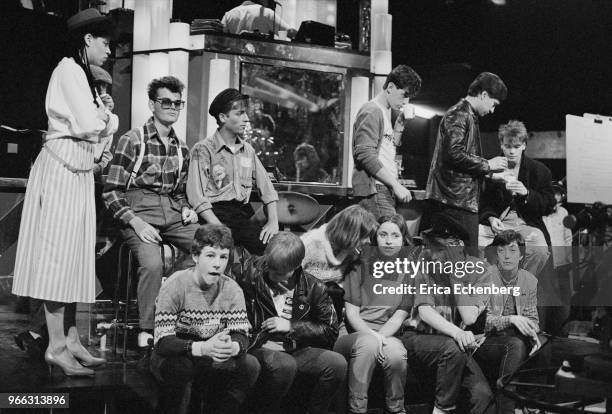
(313, 321)
(457, 167)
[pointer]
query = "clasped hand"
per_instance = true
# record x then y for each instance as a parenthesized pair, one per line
(219, 347)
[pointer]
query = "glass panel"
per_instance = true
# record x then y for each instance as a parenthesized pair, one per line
(296, 121)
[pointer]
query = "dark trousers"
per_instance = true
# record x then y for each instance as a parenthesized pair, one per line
(458, 381)
(236, 216)
(500, 356)
(460, 222)
(324, 372)
(164, 214)
(223, 386)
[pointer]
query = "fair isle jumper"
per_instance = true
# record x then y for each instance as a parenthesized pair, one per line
(320, 260)
(187, 311)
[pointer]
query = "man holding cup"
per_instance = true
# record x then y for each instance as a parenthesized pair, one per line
(375, 141)
(519, 199)
(457, 167)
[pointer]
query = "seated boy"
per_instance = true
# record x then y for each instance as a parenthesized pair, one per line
(221, 174)
(201, 330)
(439, 347)
(512, 319)
(295, 326)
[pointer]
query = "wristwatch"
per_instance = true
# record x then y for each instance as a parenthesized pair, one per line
(189, 347)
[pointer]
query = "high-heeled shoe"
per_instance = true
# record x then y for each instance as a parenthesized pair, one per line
(85, 358)
(63, 361)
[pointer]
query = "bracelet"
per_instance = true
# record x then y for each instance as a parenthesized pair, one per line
(189, 347)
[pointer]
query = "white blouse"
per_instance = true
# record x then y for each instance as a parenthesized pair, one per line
(70, 106)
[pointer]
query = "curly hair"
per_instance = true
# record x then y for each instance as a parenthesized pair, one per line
(171, 83)
(213, 235)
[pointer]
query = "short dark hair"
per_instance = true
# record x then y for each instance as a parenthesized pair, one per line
(515, 130)
(224, 101)
(285, 251)
(404, 77)
(171, 83)
(505, 237)
(490, 83)
(399, 221)
(214, 235)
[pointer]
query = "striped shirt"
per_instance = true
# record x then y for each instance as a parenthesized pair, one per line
(158, 171)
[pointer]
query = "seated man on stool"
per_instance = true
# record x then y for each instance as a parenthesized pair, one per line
(519, 199)
(294, 324)
(150, 201)
(512, 323)
(221, 175)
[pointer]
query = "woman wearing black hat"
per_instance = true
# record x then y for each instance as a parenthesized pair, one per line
(55, 253)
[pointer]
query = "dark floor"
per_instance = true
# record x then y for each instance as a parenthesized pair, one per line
(122, 387)
(117, 387)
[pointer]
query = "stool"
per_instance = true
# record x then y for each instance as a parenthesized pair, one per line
(125, 265)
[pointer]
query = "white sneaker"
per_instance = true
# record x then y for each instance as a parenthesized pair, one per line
(143, 339)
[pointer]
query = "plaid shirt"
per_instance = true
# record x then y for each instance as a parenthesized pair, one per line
(446, 304)
(526, 302)
(158, 172)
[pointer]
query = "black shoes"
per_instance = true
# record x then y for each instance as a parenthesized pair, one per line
(34, 347)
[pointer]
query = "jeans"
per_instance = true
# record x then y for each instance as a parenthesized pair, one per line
(236, 216)
(381, 203)
(325, 368)
(462, 223)
(162, 213)
(457, 375)
(361, 349)
(225, 384)
(500, 356)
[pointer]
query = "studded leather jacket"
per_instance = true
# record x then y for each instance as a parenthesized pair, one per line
(457, 167)
(313, 321)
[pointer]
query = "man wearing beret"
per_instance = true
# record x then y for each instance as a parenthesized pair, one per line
(221, 174)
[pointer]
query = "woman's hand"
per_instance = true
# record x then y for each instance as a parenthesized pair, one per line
(381, 354)
(108, 102)
(101, 114)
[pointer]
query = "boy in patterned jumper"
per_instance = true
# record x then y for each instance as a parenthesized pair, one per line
(202, 329)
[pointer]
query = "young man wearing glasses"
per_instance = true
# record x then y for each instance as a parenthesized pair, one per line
(375, 139)
(145, 191)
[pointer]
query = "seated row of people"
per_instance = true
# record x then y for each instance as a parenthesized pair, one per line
(203, 320)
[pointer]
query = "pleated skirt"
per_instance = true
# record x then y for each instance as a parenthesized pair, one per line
(56, 246)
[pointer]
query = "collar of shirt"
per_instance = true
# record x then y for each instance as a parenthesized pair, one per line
(470, 110)
(151, 131)
(219, 144)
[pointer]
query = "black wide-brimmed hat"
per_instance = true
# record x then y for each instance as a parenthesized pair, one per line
(85, 18)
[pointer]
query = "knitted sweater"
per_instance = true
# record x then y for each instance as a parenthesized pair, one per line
(320, 260)
(185, 311)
